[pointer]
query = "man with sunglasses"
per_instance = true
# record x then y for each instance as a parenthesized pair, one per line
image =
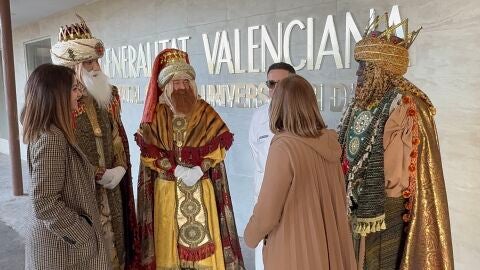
(260, 136)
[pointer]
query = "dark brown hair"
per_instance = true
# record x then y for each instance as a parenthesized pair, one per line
(48, 102)
(281, 65)
(376, 82)
(294, 108)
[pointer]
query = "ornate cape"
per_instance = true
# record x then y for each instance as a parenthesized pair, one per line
(428, 244)
(131, 231)
(85, 133)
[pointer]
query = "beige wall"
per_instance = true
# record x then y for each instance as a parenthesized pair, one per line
(444, 64)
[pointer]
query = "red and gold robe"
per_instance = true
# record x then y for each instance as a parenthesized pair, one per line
(184, 226)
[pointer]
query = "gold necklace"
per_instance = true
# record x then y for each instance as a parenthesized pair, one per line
(179, 134)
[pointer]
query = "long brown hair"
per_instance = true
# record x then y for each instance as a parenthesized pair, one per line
(48, 102)
(294, 108)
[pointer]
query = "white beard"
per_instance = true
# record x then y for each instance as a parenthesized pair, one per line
(98, 86)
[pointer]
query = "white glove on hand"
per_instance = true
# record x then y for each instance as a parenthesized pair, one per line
(112, 177)
(180, 171)
(189, 176)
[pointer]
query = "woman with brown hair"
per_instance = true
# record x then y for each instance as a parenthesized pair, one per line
(301, 211)
(63, 229)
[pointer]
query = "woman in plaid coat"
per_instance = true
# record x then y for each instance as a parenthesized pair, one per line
(64, 224)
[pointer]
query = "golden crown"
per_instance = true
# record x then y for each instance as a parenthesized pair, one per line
(75, 31)
(389, 33)
(385, 48)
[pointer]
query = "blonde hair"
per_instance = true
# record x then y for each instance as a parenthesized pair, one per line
(48, 102)
(294, 108)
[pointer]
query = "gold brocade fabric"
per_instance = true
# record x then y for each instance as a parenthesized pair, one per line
(108, 232)
(203, 125)
(192, 217)
(166, 230)
(428, 244)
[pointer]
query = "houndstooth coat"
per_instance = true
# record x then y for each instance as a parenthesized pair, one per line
(64, 230)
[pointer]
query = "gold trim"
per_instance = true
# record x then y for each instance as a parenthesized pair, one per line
(97, 131)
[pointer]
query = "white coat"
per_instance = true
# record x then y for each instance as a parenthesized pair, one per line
(259, 137)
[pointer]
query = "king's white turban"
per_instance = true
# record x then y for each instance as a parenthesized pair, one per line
(76, 45)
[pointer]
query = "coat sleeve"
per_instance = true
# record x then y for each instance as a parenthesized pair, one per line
(48, 178)
(273, 194)
(397, 142)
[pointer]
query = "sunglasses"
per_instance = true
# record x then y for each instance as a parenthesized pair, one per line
(271, 83)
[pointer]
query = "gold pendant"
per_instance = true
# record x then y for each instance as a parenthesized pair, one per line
(179, 130)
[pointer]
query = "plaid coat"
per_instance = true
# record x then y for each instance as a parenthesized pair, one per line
(63, 230)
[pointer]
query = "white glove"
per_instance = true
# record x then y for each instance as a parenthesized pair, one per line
(112, 177)
(189, 176)
(180, 171)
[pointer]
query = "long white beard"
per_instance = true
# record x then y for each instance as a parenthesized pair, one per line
(98, 86)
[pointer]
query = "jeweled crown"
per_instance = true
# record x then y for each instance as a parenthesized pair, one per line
(75, 31)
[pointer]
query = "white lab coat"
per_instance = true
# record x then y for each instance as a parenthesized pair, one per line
(259, 137)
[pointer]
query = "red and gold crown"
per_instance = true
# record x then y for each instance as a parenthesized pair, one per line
(384, 48)
(172, 62)
(170, 56)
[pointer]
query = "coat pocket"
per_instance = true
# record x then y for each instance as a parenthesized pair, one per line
(44, 251)
(81, 252)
